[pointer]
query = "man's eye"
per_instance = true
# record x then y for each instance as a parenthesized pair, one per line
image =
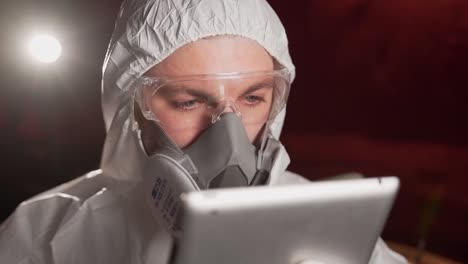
(253, 99)
(186, 105)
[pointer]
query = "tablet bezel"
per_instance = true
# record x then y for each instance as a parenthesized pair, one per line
(328, 222)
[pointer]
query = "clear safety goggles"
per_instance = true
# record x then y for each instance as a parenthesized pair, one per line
(197, 101)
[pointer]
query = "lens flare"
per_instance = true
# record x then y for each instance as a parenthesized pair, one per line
(45, 48)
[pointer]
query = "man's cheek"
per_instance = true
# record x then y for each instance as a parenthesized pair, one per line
(183, 138)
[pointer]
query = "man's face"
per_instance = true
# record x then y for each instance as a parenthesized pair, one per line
(211, 56)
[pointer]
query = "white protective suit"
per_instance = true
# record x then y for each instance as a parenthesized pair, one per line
(100, 217)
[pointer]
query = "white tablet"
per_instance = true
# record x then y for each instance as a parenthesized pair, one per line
(325, 222)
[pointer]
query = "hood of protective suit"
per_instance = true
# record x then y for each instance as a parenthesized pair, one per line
(145, 34)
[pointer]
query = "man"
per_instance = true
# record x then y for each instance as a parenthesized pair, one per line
(194, 93)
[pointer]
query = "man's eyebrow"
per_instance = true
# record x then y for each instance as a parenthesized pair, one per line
(174, 90)
(269, 83)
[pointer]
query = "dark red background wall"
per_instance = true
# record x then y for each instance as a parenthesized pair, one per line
(381, 89)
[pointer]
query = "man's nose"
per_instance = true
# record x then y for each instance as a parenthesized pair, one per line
(225, 107)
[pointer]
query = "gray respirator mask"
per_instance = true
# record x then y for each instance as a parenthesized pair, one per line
(222, 156)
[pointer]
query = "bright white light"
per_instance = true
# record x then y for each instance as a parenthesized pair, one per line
(45, 48)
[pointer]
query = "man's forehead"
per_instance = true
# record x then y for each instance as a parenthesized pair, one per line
(215, 55)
